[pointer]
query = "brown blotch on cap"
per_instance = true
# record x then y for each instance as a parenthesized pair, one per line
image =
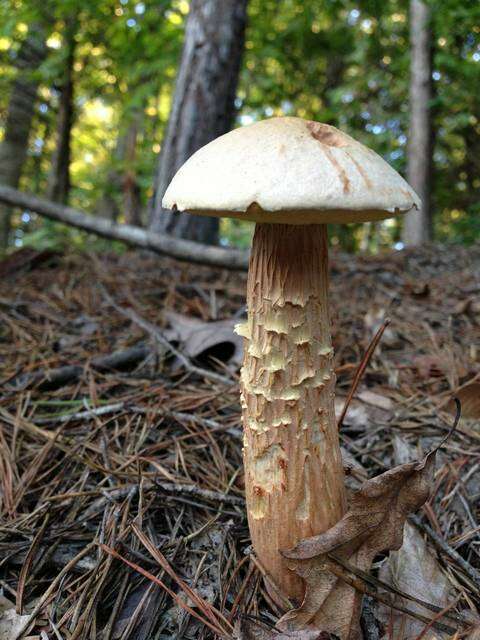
(327, 135)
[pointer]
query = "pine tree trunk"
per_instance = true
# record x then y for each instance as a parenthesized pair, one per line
(130, 187)
(21, 108)
(59, 179)
(418, 225)
(122, 179)
(203, 106)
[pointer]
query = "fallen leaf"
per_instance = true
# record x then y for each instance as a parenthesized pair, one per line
(10, 621)
(365, 409)
(469, 397)
(403, 451)
(375, 399)
(246, 629)
(374, 523)
(204, 340)
(414, 570)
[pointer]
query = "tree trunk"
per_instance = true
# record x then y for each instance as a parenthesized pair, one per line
(418, 225)
(122, 179)
(130, 187)
(59, 179)
(21, 108)
(203, 106)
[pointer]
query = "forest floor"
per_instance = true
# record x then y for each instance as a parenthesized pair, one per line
(120, 441)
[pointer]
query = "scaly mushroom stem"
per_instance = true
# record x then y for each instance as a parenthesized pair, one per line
(293, 467)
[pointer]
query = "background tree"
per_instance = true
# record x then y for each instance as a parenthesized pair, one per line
(203, 106)
(59, 179)
(345, 62)
(418, 226)
(21, 109)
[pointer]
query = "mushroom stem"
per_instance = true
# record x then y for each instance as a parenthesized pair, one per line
(293, 467)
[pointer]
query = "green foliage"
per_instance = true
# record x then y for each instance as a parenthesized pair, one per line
(345, 62)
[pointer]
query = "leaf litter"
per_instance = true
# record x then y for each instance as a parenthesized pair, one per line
(103, 428)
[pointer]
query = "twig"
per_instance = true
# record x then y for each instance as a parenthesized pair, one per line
(109, 495)
(361, 368)
(185, 250)
(48, 379)
(179, 416)
(88, 413)
(198, 492)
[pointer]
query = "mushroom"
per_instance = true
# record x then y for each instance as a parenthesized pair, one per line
(291, 177)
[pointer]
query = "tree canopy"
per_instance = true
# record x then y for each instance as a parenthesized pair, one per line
(342, 62)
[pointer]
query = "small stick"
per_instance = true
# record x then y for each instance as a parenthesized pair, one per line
(81, 415)
(361, 368)
(207, 423)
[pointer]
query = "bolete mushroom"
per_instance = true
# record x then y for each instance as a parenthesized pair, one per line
(291, 177)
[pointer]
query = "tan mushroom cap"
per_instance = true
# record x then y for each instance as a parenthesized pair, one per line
(289, 170)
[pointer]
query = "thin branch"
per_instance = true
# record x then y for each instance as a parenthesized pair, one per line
(184, 250)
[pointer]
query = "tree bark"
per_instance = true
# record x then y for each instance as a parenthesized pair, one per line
(123, 179)
(294, 479)
(203, 106)
(418, 225)
(21, 108)
(59, 179)
(130, 187)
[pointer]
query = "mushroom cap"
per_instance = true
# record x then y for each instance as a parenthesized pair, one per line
(289, 170)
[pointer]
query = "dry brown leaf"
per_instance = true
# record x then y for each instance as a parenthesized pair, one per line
(414, 570)
(206, 339)
(469, 397)
(375, 400)
(252, 630)
(373, 523)
(361, 413)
